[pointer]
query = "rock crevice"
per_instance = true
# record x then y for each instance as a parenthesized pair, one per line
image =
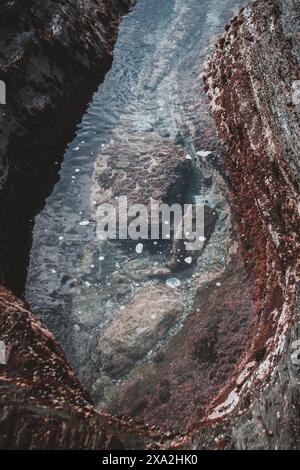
(253, 82)
(53, 55)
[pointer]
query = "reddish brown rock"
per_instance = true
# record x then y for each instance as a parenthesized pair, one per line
(262, 148)
(42, 404)
(250, 80)
(53, 56)
(173, 390)
(230, 377)
(144, 168)
(146, 320)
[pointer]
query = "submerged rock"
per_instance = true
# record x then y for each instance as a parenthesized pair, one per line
(173, 282)
(53, 55)
(174, 388)
(137, 329)
(145, 168)
(227, 378)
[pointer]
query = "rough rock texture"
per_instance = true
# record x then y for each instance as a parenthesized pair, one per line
(42, 404)
(145, 167)
(256, 311)
(136, 329)
(251, 81)
(52, 56)
(179, 387)
(172, 390)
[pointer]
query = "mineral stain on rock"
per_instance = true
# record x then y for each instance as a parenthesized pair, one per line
(175, 349)
(116, 317)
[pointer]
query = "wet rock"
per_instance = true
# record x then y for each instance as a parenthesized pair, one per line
(154, 169)
(53, 55)
(259, 124)
(179, 251)
(42, 404)
(192, 367)
(138, 328)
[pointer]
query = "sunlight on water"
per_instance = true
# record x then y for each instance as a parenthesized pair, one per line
(153, 91)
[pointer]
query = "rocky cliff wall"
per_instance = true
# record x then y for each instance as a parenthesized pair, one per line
(42, 404)
(53, 54)
(253, 82)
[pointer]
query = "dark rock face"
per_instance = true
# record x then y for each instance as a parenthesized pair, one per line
(251, 80)
(53, 55)
(251, 347)
(42, 404)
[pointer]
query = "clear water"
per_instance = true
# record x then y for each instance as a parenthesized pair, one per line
(76, 284)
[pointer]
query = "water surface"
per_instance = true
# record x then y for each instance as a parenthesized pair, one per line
(77, 285)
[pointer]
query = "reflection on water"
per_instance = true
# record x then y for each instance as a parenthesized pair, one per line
(78, 285)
